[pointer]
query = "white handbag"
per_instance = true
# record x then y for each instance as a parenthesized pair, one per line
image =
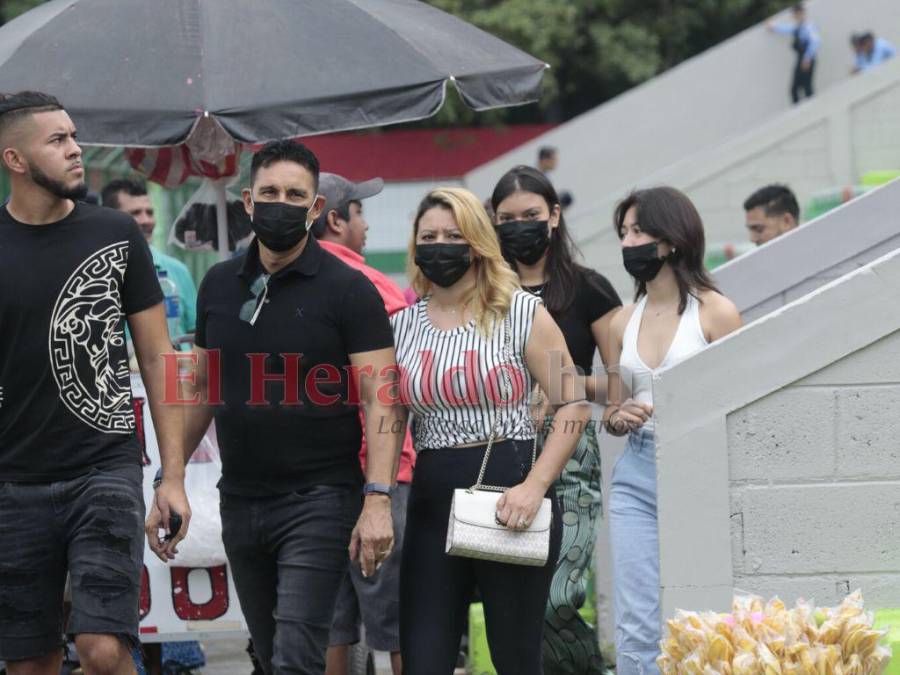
(473, 530)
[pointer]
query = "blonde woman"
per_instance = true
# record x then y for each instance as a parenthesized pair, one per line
(452, 347)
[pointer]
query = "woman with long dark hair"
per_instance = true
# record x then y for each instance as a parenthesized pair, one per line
(677, 312)
(535, 242)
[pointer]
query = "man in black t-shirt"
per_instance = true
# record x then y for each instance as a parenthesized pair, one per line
(71, 500)
(281, 330)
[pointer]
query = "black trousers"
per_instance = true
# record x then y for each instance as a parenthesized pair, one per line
(289, 556)
(803, 81)
(436, 588)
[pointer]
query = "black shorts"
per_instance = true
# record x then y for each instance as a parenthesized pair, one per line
(91, 527)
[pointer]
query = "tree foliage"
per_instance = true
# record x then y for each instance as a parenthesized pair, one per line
(10, 9)
(599, 48)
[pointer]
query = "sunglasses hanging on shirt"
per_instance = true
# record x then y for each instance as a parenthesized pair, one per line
(250, 310)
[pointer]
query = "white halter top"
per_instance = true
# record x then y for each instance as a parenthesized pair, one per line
(636, 375)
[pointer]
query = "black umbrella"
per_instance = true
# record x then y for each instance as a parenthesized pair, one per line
(143, 72)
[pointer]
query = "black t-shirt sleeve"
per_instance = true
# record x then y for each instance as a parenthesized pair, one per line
(141, 288)
(597, 296)
(365, 324)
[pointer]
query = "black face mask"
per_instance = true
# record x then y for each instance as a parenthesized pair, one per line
(279, 226)
(443, 264)
(524, 240)
(643, 262)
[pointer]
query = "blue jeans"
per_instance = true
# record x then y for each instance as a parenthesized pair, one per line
(634, 537)
(288, 554)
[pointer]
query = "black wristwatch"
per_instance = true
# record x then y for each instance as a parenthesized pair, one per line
(157, 479)
(377, 489)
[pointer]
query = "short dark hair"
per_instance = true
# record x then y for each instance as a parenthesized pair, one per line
(285, 151)
(669, 215)
(130, 186)
(321, 223)
(775, 200)
(15, 107)
(546, 152)
(798, 7)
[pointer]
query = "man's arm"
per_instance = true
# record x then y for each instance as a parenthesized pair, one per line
(812, 47)
(780, 28)
(151, 342)
(373, 536)
(198, 415)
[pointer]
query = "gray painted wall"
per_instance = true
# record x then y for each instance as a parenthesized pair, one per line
(828, 142)
(778, 448)
(700, 103)
(820, 251)
(720, 125)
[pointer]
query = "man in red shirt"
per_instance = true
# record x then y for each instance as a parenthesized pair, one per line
(341, 230)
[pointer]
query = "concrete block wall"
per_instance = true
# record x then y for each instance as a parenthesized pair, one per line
(778, 449)
(815, 483)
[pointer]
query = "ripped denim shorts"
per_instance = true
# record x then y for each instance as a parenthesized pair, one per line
(91, 528)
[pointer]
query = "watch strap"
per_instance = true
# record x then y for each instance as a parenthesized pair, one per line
(377, 488)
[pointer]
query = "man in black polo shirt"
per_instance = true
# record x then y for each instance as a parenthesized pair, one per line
(283, 328)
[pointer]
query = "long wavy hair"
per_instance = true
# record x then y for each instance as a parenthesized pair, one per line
(669, 215)
(491, 296)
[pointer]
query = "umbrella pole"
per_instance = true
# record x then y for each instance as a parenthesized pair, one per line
(222, 220)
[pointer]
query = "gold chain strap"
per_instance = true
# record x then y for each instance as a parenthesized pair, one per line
(507, 356)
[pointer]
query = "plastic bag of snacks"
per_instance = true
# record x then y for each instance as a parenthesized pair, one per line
(769, 639)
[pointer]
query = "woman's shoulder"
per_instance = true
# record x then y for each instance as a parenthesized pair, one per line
(592, 277)
(406, 314)
(594, 291)
(621, 317)
(522, 300)
(714, 303)
(718, 315)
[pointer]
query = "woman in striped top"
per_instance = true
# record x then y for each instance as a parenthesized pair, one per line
(452, 351)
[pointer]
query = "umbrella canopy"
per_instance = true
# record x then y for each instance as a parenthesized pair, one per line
(138, 73)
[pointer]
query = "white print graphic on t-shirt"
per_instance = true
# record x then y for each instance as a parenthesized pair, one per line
(87, 345)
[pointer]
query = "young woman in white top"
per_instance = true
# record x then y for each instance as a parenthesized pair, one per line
(472, 322)
(678, 312)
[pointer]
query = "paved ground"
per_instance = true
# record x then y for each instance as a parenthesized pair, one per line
(230, 658)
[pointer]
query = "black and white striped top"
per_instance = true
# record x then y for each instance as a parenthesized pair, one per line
(453, 381)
